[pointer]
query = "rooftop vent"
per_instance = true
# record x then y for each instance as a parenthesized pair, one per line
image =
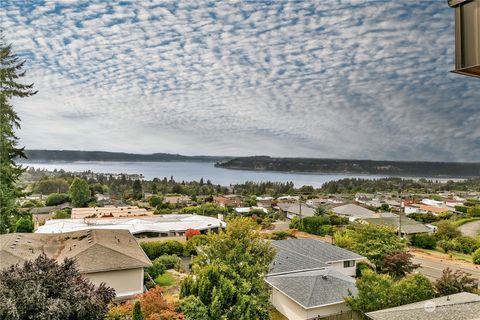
(324, 277)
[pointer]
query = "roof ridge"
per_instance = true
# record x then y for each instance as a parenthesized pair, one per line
(403, 307)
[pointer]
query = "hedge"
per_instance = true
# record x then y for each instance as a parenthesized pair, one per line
(155, 249)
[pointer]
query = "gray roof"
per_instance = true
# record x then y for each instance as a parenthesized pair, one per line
(294, 208)
(458, 306)
(353, 210)
(409, 226)
(306, 254)
(314, 288)
(93, 250)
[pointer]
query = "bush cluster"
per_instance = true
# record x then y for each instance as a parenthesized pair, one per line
(55, 199)
(424, 241)
(155, 249)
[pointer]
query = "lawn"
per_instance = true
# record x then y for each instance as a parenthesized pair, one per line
(462, 221)
(275, 315)
(165, 279)
(454, 254)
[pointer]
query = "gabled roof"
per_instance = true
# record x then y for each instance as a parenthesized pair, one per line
(314, 288)
(409, 226)
(353, 210)
(294, 208)
(94, 250)
(458, 306)
(306, 254)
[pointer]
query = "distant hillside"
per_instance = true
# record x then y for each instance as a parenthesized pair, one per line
(309, 165)
(70, 155)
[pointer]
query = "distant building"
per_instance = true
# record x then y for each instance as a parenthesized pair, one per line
(169, 225)
(177, 199)
(242, 210)
(228, 200)
(110, 212)
(265, 202)
(110, 256)
(296, 210)
(310, 278)
(353, 212)
(452, 307)
(409, 226)
(410, 208)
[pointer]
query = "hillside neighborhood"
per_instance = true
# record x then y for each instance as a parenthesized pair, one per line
(323, 243)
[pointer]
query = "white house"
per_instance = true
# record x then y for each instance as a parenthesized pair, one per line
(110, 256)
(310, 278)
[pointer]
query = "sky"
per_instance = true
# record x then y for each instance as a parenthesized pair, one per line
(330, 79)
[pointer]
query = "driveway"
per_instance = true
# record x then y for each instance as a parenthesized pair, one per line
(470, 228)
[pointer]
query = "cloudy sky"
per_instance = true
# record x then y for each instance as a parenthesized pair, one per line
(344, 79)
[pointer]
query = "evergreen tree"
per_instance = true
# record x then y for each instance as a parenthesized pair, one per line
(137, 189)
(79, 192)
(11, 70)
(137, 311)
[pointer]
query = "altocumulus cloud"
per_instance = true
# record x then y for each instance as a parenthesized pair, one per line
(350, 79)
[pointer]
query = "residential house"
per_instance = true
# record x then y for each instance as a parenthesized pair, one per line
(310, 278)
(169, 225)
(265, 202)
(423, 208)
(296, 210)
(110, 256)
(109, 212)
(228, 200)
(408, 227)
(182, 199)
(459, 306)
(243, 210)
(353, 212)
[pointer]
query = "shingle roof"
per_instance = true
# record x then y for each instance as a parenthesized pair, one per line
(353, 210)
(306, 254)
(295, 209)
(409, 226)
(314, 288)
(94, 250)
(458, 306)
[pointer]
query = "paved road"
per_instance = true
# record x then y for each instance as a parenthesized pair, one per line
(470, 228)
(432, 268)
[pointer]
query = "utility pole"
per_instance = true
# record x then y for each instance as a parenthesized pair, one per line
(300, 206)
(400, 217)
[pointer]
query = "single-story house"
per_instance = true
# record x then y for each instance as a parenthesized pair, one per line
(409, 226)
(459, 306)
(169, 225)
(296, 210)
(109, 212)
(110, 256)
(310, 278)
(242, 210)
(228, 200)
(353, 212)
(265, 202)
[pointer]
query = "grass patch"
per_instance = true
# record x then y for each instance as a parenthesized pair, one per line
(462, 221)
(165, 279)
(454, 254)
(275, 315)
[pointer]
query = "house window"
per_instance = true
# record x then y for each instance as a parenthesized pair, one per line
(349, 264)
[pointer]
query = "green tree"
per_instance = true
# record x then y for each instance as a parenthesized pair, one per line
(320, 211)
(137, 311)
(193, 308)
(137, 190)
(228, 273)
(43, 289)
(79, 192)
(24, 224)
(380, 291)
(56, 199)
(447, 230)
(372, 241)
(476, 256)
(11, 70)
(452, 282)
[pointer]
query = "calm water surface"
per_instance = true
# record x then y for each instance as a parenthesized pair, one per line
(189, 171)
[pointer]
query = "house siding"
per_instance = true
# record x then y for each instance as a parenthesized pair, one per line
(125, 282)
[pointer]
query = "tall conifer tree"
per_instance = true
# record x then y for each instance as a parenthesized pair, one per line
(11, 71)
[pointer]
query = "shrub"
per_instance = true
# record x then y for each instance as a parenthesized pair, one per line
(461, 209)
(446, 245)
(447, 230)
(137, 311)
(24, 224)
(193, 243)
(465, 244)
(424, 241)
(474, 211)
(295, 223)
(445, 215)
(61, 214)
(362, 266)
(169, 262)
(191, 233)
(319, 225)
(56, 199)
(337, 220)
(476, 256)
(456, 281)
(155, 249)
(282, 235)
